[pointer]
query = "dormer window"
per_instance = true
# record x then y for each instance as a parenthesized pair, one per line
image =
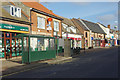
(73, 29)
(15, 11)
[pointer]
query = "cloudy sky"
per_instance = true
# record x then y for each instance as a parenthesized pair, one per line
(103, 12)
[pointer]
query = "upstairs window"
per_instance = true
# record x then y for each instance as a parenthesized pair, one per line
(68, 29)
(56, 25)
(15, 11)
(86, 34)
(40, 22)
(73, 29)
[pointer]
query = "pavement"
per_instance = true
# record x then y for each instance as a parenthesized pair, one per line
(15, 65)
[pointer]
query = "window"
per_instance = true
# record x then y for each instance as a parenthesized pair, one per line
(40, 22)
(52, 44)
(56, 26)
(39, 44)
(64, 25)
(73, 29)
(15, 11)
(86, 34)
(68, 29)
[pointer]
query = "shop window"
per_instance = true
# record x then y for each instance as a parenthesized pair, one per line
(46, 44)
(33, 44)
(52, 44)
(40, 22)
(25, 44)
(7, 35)
(56, 25)
(0, 34)
(39, 44)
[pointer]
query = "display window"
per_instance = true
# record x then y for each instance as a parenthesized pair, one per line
(10, 45)
(41, 44)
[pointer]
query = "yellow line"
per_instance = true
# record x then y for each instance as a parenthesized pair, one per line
(18, 72)
(13, 31)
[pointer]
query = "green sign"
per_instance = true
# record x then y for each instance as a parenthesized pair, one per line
(13, 27)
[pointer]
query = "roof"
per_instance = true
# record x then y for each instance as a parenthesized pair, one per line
(93, 26)
(69, 23)
(6, 14)
(102, 25)
(80, 24)
(39, 7)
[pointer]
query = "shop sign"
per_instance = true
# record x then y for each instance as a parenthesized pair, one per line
(13, 27)
(50, 19)
(73, 38)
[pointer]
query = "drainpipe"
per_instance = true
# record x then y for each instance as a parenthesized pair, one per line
(30, 22)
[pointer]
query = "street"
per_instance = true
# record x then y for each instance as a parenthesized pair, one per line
(95, 63)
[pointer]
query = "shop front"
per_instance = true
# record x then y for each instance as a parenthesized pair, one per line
(8, 43)
(75, 42)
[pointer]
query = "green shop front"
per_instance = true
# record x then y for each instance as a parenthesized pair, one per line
(35, 47)
(8, 43)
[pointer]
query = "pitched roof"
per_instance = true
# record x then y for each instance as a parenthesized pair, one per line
(67, 21)
(39, 7)
(70, 23)
(102, 25)
(80, 23)
(5, 14)
(93, 26)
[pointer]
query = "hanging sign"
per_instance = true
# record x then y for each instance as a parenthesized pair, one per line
(49, 19)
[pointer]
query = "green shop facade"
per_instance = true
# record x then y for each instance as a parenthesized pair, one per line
(41, 49)
(9, 45)
(16, 40)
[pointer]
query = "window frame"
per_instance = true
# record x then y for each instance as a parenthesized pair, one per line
(56, 28)
(16, 13)
(38, 24)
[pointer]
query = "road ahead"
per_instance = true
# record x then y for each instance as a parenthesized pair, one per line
(96, 63)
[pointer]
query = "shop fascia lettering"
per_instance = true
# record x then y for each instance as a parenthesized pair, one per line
(13, 27)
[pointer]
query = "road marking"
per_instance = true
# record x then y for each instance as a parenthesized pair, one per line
(19, 72)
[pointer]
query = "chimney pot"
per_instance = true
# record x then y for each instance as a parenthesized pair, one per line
(109, 26)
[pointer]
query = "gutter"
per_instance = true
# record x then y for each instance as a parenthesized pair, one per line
(14, 20)
(38, 11)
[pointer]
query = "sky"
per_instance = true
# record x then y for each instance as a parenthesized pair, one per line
(103, 12)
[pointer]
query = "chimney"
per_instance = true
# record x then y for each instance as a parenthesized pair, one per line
(109, 26)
